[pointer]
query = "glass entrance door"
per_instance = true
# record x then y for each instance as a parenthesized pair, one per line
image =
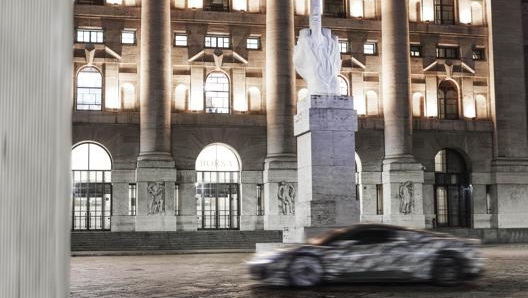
(217, 200)
(91, 201)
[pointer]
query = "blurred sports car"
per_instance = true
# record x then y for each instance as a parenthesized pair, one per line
(372, 252)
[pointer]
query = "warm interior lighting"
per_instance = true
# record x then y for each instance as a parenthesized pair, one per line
(217, 157)
(465, 15)
(428, 12)
(195, 4)
(240, 5)
(356, 8)
(469, 107)
(114, 2)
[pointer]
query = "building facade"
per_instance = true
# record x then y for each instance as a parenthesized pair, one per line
(183, 112)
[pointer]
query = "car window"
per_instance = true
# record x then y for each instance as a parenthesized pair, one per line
(374, 236)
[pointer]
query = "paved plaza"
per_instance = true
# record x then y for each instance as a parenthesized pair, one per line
(225, 275)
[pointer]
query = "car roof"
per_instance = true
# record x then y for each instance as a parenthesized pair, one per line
(322, 238)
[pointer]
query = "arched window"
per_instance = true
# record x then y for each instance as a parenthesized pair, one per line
(89, 89)
(92, 190)
(218, 188)
(452, 190)
(217, 93)
(415, 10)
(447, 100)
(128, 96)
(444, 12)
(418, 105)
(343, 86)
(180, 97)
(372, 103)
(255, 99)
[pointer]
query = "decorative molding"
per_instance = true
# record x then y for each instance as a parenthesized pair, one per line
(156, 201)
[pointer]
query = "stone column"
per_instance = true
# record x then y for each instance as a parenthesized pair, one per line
(280, 165)
(508, 107)
(155, 82)
(155, 167)
(402, 177)
(35, 147)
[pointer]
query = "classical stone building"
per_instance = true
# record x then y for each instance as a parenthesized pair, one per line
(183, 112)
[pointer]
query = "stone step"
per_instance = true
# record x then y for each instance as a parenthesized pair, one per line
(171, 241)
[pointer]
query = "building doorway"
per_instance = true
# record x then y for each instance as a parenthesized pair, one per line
(218, 188)
(452, 190)
(92, 188)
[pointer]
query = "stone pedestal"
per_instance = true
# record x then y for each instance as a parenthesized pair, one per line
(402, 193)
(155, 196)
(325, 128)
(187, 218)
(280, 192)
(509, 196)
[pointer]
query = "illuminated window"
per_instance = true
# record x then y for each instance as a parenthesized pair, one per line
(343, 46)
(240, 5)
(216, 5)
(89, 89)
(444, 12)
(253, 43)
(217, 93)
(415, 10)
(479, 54)
(343, 86)
(89, 35)
(447, 101)
(447, 52)
(369, 48)
(416, 50)
(217, 41)
(128, 36)
(180, 40)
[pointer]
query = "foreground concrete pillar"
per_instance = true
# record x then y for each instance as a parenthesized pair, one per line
(508, 108)
(155, 174)
(35, 147)
(402, 177)
(280, 165)
(325, 126)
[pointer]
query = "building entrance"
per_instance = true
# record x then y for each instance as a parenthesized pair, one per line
(218, 188)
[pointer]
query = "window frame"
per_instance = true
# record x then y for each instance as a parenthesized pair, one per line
(101, 88)
(216, 38)
(176, 41)
(346, 45)
(257, 40)
(478, 54)
(374, 48)
(442, 52)
(132, 31)
(444, 12)
(212, 109)
(415, 51)
(90, 32)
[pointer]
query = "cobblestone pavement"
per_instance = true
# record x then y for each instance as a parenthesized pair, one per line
(224, 275)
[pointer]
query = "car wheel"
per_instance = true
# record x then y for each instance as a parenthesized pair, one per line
(305, 271)
(447, 271)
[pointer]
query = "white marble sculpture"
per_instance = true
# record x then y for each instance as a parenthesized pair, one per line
(316, 56)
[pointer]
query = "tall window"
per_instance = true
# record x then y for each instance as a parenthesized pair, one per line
(333, 8)
(444, 12)
(89, 89)
(447, 101)
(217, 93)
(216, 5)
(343, 46)
(415, 10)
(92, 188)
(447, 52)
(452, 190)
(343, 86)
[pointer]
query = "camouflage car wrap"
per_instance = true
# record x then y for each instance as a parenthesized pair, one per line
(406, 255)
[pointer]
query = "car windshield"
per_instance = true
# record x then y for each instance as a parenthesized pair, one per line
(329, 236)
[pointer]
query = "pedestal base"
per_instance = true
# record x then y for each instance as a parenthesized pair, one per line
(156, 223)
